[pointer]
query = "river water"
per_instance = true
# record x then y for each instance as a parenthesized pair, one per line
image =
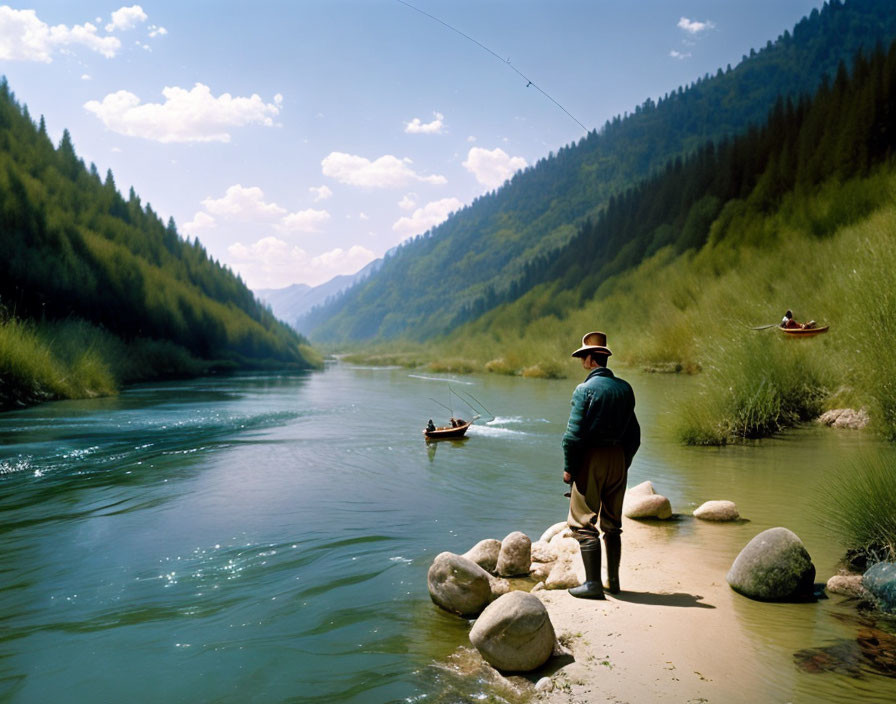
(266, 538)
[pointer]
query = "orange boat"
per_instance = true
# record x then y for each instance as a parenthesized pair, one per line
(448, 431)
(804, 332)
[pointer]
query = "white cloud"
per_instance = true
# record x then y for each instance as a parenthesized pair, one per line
(243, 203)
(409, 202)
(679, 55)
(471, 139)
(201, 221)
(155, 31)
(415, 126)
(426, 217)
(363, 216)
(693, 26)
(492, 168)
(303, 221)
(126, 18)
(86, 77)
(321, 193)
(186, 115)
(25, 37)
(386, 172)
(273, 263)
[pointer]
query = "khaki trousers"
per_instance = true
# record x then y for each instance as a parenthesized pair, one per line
(596, 494)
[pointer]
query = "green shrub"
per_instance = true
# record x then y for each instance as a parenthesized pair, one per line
(860, 504)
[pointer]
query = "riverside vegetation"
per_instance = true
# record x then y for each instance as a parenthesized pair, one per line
(95, 291)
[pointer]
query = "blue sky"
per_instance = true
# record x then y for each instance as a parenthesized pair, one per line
(299, 140)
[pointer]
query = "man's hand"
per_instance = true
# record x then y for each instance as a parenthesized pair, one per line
(567, 478)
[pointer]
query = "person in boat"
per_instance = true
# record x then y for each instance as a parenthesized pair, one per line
(459, 422)
(601, 438)
(788, 323)
(430, 427)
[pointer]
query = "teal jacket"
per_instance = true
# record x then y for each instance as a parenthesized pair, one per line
(602, 415)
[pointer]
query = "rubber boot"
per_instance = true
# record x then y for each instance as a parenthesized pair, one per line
(592, 588)
(613, 543)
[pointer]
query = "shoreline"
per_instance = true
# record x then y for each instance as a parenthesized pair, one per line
(679, 633)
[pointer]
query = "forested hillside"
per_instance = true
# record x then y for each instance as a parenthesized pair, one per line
(493, 250)
(141, 301)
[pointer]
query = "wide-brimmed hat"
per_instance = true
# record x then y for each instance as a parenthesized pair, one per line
(593, 343)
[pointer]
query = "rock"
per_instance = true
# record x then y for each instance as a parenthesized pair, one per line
(545, 684)
(845, 418)
(647, 506)
(538, 588)
(880, 581)
(514, 633)
(846, 585)
(485, 554)
(541, 570)
(543, 552)
(568, 570)
(774, 566)
(642, 489)
(515, 555)
(458, 585)
(562, 535)
(498, 587)
(717, 511)
(552, 531)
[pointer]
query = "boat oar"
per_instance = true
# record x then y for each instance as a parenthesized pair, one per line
(765, 327)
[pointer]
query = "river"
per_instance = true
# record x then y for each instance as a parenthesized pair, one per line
(266, 537)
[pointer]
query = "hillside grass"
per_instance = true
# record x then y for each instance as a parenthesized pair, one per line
(829, 255)
(75, 359)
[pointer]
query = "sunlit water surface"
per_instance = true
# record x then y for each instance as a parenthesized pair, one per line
(266, 538)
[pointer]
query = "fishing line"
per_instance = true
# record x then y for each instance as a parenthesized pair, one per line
(504, 61)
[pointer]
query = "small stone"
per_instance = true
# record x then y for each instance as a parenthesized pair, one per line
(545, 684)
(717, 511)
(846, 585)
(845, 418)
(515, 555)
(541, 570)
(568, 570)
(485, 554)
(552, 531)
(498, 586)
(647, 506)
(538, 588)
(642, 489)
(543, 552)
(514, 633)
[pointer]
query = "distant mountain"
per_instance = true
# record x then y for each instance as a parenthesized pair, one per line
(290, 304)
(477, 258)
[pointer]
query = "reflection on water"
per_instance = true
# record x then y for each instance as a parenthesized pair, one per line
(267, 537)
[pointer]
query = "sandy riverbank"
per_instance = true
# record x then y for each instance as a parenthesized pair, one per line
(678, 633)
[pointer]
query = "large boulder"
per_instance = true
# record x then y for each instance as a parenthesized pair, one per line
(485, 554)
(514, 633)
(515, 555)
(880, 581)
(458, 585)
(717, 511)
(540, 570)
(642, 489)
(774, 566)
(647, 506)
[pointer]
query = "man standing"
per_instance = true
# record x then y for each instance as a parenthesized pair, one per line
(601, 439)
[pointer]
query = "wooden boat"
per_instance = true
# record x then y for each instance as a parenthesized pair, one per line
(804, 332)
(448, 431)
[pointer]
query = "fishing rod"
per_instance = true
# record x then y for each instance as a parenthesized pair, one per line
(478, 402)
(529, 81)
